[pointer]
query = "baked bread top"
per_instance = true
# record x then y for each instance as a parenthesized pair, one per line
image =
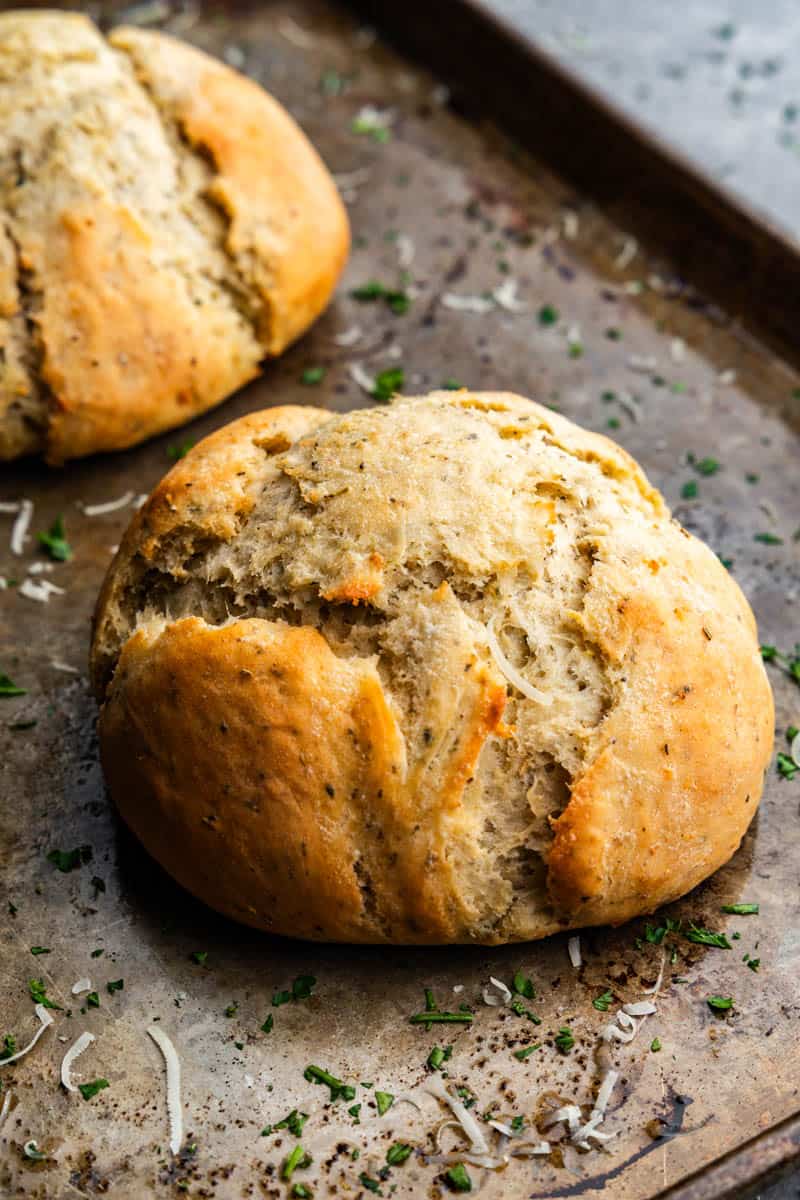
(439, 671)
(164, 226)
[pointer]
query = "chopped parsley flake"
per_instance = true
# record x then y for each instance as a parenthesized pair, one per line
(704, 466)
(741, 910)
(70, 860)
(199, 957)
(303, 986)
(706, 937)
(397, 1154)
(180, 450)
(388, 382)
(519, 1009)
(457, 1179)
(548, 315)
(451, 385)
(372, 1185)
(527, 1051)
(786, 765)
(396, 299)
(54, 541)
(232, 1009)
(719, 1003)
(613, 335)
(376, 129)
(115, 985)
(339, 1090)
(768, 539)
(437, 1056)
(9, 688)
(97, 953)
(280, 998)
(268, 1024)
(689, 491)
(300, 1191)
(384, 1101)
(753, 963)
(523, 986)
(93, 1000)
(295, 1161)
(565, 1041)
(87, 1090)
(602, 1003)
(9, 1047)
(39, 994)
(312, 376)
(39, 950)
(355, 1112)
(790, 663)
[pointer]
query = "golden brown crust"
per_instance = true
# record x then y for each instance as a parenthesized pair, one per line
(175, 228)
(539, 703)
(288, 227)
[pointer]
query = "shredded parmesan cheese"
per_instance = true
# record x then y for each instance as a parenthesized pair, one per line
(529, 1149)
(41, 591)
(642, 365)
(574, 951)
(19, 530)
(348, 181)
(569, 1113)
(571, 225)
(642, 1008)
(677, 349)
(46, 1019)
(500, 995)
(64, 667)
(728, 376)
(505, 296)
(473, 304)
(654, 990)
(794, 749)
(81, 985)
(473, 1131)
(173, 1067)
(6, 1105)
(627, 254)
(99, 510)
(348, 337)
(510, 671)
(77, 1048)
(405, 250)
(364, 380)
(295, 34)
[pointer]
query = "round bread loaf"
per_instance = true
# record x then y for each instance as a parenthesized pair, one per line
(442, 671)
(164, 226)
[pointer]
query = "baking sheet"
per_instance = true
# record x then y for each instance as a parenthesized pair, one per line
(477, 215)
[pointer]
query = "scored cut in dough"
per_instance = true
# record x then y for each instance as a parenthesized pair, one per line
(164, 226)
(441, 671)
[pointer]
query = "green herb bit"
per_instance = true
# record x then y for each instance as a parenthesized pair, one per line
(430, 1001)
(517, 1124)
(523, 986)
(239, 1045)
(565, 1041)
(294, 1122)
(70, 860)
(613, 335)
(719, 1003)
(54, 541)
(388, 382)
(355, 1113)
(786, 765)
(9, 688)
(706, 937)
(751, 477)
(768, 539)
(32, 1151)
(39, 950)
(97, 953)
(199, 957)
(689, 491)
(280, 998)
(377, 130)
(753, 963)
(300, 1191)
(613, 423)
(93, 1000)
(436, 1057)
(527, 1051)
(115, 985)
(519, 1009)
(372, 1185)
(232, 1009)
(706, 466)
(603, 1003)
(547, 315)
(339, 1089)
(296, 1161)
(98, 884)
(452, 385)
(312, 376)
(441, 1018)
(87, 1090)
(268, 1024)
(575, 350)
(180, 450)
(398, 1153)
(39, 995)
(741, 910)
(655, 1045)
(9, 1047)
(21, 726)
(397, 300)
(303, 986)
(384, 1101)
(457, 1179)
(791, 732)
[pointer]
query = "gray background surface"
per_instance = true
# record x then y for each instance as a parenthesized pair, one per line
(718, 80)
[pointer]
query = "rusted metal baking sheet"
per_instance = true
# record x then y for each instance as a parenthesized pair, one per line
(630, 351)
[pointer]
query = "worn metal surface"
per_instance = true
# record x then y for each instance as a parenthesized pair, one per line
(476, 212)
